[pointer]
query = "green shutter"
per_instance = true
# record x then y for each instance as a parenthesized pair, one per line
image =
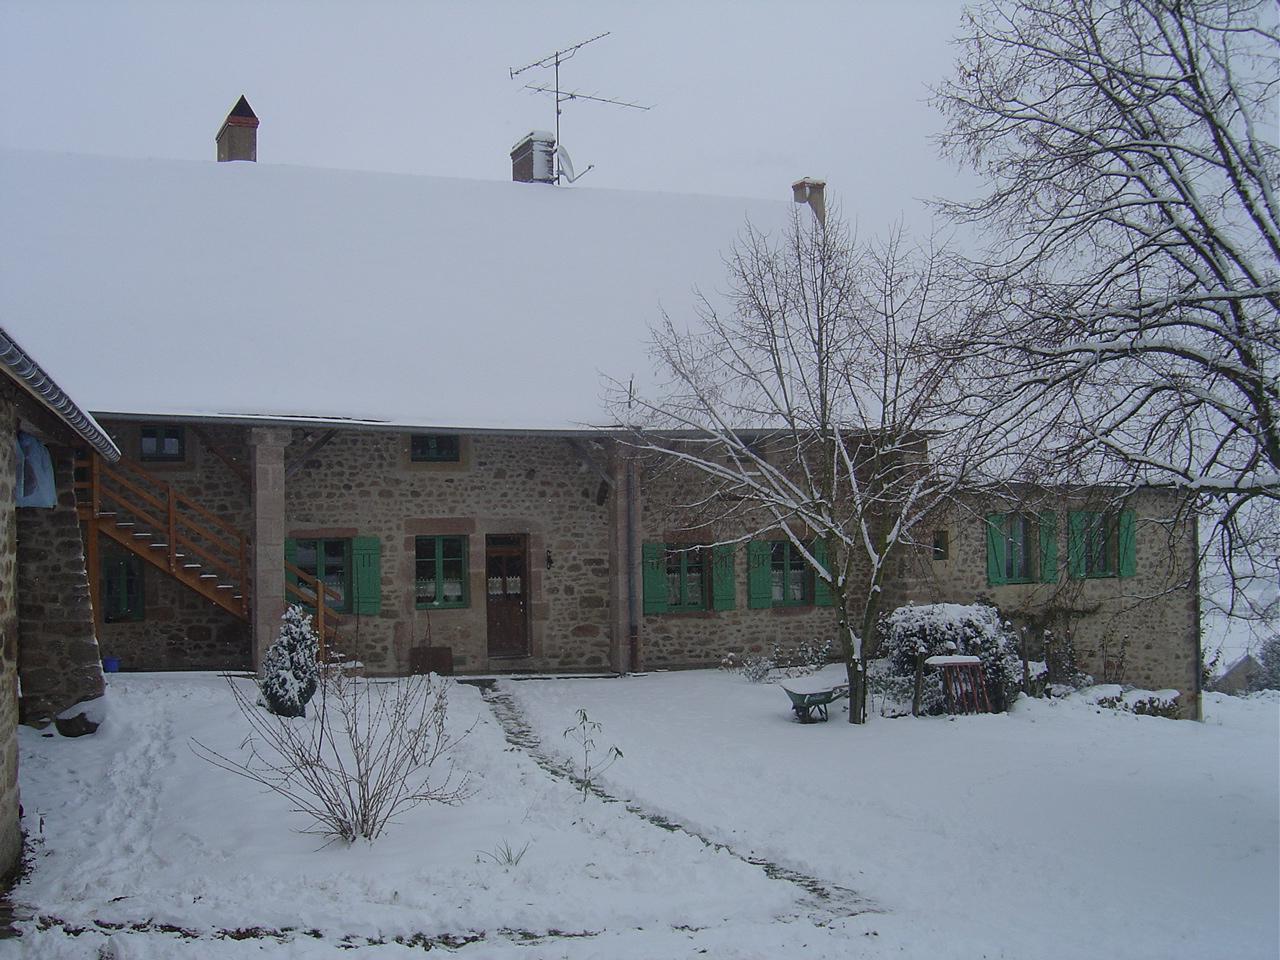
(1128, 545)
(654, 577)
(822, 596)
(290, 579)
(366, 575)
(759, 585)
(1075, 544)
(995, 549)
(722, 577)
(1048, 547)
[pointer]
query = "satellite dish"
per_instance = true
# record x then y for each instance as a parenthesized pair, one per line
(566, 165)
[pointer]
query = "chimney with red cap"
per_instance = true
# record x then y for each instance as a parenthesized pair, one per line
(238, 138)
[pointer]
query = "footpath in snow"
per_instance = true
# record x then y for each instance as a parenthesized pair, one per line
(1059, 830)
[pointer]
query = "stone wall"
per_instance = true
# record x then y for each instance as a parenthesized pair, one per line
(678, 506)
(364, 484)
(58, 657)
(10, 829)
(179, 629)
(1145, 626)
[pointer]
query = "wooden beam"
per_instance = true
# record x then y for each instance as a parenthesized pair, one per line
(301, 461)
(586, 456)
(236, 467)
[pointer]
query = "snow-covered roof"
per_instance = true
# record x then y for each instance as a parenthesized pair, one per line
(180, 288)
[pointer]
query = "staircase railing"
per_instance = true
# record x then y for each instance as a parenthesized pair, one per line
(130, 502)
(303, 588)
(188, 533)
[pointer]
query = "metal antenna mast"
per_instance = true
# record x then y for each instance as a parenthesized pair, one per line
(563, 96)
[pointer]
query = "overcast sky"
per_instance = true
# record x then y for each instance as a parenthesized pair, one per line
(747, 96)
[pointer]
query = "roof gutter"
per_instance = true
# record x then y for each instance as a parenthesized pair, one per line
(40, 385)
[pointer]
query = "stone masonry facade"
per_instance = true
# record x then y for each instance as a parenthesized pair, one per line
(1141, 629)
(560, 497)
(179, 629)
(58, 651)
(10, 829)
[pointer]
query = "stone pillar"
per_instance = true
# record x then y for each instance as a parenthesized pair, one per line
(58, 658)
(266, 455)
(10, 829)
(624, 560)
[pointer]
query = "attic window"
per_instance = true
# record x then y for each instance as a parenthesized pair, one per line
(163, 443)
(434, 448)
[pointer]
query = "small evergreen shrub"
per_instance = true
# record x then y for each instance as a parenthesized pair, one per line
(290, 673)
(913, 632)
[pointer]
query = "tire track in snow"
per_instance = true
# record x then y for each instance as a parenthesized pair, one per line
(826, 901)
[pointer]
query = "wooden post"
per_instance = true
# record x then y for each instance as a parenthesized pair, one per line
(320, 609)
(94, 566)
(95, 483)
(917, 694)
(244, 574)
(173, 527)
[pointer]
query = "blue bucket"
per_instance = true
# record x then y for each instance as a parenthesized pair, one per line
(110, 664)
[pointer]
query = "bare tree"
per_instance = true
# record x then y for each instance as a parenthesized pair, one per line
(364, 757)
(821, 407)
(1134, 255)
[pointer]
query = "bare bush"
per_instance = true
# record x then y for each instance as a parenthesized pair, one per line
(365, 756)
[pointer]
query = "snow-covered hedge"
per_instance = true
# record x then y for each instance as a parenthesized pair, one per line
(936, 629)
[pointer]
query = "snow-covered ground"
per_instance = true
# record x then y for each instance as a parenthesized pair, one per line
(1055, 831)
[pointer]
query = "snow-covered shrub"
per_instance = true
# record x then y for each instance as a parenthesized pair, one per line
(757, 668)
(914, 632)
(1268, 678)
(1126, 699)
(365, 755)
(804, 658)
(289, 669)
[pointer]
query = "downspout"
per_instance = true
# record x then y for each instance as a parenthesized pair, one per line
(633, 598)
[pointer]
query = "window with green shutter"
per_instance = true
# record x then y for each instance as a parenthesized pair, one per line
(681, 579)
(779, 575)
(440, 573)
(329, 561)
(121, 591)
(723, 577)
(435, 448)
(1101, 544)
(1022, 547)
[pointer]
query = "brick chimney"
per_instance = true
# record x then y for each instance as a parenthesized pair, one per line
(533, 158)
(238, 138)
(812, 192)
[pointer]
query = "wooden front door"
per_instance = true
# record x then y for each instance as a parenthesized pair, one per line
(507, 590)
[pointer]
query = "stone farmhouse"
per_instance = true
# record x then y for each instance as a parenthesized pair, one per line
(46, 624)
(387, 390)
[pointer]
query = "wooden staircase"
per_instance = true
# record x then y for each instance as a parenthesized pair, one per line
(175, 534)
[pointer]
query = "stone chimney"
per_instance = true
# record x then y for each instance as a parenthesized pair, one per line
(238, 138)
(812, 192)
(533, 158)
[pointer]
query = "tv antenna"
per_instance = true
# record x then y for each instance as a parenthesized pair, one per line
(564, 167)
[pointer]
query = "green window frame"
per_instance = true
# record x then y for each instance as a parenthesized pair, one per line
(441, 578)
(121, 592)
(328, 560)
(162, 444)
(1102, 544)
(679, 578)
(779, 575)
(790, 576)
(1022, 547)
(435, 448)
